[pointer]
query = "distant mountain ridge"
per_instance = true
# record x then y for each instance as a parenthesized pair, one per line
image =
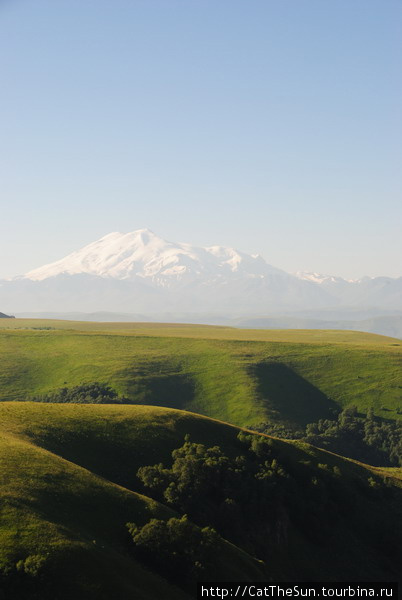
(367, 291)
(139, 272)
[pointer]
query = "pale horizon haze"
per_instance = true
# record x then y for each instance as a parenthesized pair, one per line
(271, 126)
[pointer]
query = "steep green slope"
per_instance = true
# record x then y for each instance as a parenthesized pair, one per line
(71, 522)
(62, 471)
(242, 381)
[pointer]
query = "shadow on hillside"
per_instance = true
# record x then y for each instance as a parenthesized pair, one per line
(168, 390)
(289, 396)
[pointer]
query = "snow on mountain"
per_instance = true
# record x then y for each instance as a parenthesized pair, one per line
(320, 278)
(143, 254)
(139, 272)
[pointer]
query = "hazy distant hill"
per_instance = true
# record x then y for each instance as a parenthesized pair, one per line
(388, 324)
(3, 316)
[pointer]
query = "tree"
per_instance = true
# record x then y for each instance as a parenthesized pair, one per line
(176, 548)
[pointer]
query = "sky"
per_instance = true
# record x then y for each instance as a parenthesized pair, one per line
(273, 126)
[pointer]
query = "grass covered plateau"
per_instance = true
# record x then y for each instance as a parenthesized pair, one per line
(244, 377)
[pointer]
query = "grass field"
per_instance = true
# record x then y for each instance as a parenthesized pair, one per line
(205, 331)
(68, 487)
(243, 377)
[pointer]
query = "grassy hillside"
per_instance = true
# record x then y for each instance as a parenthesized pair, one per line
(239, 376)
(72, 518)
(69, 486)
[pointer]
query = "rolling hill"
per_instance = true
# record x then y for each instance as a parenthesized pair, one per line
(69, 486)
(244, 377)
(68, 472)
(74, 519)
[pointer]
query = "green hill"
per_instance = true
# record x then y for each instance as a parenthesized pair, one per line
(69, 485)
(244, 377)
(71, 517)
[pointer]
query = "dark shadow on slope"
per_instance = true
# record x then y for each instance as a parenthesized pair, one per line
(170, 391)
(159, 383)
(290, 397)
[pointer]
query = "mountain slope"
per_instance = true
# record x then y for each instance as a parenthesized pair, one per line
(365, 293)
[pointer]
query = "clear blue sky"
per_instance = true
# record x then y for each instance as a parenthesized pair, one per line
(270, 125)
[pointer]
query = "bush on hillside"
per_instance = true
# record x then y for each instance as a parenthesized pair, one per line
(87, 393)
(177, 548)
(26, 579)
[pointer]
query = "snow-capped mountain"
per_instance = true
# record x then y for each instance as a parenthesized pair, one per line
(143, 254)
(139, 272)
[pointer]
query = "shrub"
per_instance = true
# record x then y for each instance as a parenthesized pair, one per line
(177, 548)
(86, 393)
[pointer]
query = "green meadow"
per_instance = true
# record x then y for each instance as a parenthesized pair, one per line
(243, 377)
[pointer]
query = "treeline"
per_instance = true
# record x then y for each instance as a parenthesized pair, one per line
(89, 393)
(365, 438)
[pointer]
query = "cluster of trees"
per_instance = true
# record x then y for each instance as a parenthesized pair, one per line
(87, 393)
(26, 580)
(251, 498)
(264, 496)
(366, 438)
(176, 548)
(219, 491)
(363, 437)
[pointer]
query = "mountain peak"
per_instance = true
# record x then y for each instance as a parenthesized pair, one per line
(141, 253)
(141, 272)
